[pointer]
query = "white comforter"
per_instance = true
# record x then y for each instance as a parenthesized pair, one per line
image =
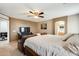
(47, 45)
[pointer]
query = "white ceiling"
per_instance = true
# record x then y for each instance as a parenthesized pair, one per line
(51, 10)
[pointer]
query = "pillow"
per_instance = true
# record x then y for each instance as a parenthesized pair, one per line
(74, 48)
(73, 44)
(65, 37)
(38, 34)
(74, 39)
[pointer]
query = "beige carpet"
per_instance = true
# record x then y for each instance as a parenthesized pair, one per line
(10, 50)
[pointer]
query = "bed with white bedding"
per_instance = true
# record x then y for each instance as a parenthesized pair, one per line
(52, 45)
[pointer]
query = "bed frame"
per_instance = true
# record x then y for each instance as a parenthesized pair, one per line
(26, 50)
(29, 52)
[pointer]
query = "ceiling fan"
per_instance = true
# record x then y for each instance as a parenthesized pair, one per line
(36, 13)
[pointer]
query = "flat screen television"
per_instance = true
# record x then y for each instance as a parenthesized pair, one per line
(24, 30)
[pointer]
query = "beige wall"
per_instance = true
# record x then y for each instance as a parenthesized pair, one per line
(50, 25)
(35, 27)
(16, 23)
(72, 24)
(49, 29)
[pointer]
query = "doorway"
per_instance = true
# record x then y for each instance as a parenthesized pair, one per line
(4, 31)
(60, 28)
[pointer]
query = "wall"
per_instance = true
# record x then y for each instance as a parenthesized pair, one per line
(49, 29)
(16, 23)
(51, 25)
(73, 24)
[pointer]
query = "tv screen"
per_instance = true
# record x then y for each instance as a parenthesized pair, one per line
(24, 30)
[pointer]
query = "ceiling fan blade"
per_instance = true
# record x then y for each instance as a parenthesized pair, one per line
(41, 13)
(31, 12)
(41, 16)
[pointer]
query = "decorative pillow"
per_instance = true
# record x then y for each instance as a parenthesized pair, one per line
(74, 48)
(74, 39)
(65, 37)
(72, 44)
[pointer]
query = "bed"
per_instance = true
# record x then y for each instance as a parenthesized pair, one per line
(52, 45)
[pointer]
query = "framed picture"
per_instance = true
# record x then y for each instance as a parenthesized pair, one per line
(44, 26)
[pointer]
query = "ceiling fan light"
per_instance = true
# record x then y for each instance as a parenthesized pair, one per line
(35, 16)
